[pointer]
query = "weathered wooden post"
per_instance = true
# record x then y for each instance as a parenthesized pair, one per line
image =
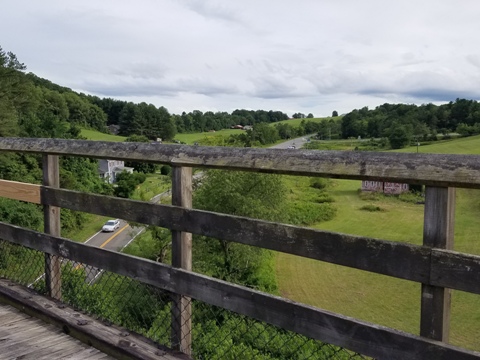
(437, 233)
(182, 258)
(51, 216)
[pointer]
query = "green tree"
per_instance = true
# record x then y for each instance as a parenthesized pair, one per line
(399, 137)
(334, 113)
(127, 183)
(244, 194)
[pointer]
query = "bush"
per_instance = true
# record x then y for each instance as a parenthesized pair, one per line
(319, 183)
(415, 188)
(325, 198)
(369, 195)
(371, 208)
(308, 213)
(411, 197)
(165, 170)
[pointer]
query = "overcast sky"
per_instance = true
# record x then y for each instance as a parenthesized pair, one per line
(309, 56)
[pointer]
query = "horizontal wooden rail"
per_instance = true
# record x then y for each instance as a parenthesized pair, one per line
(428, 169)
(20, 191)
(397, 259)
(369, 339)
(404, 261)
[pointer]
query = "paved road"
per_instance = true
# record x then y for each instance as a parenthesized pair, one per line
(298, 143)
(114, 241)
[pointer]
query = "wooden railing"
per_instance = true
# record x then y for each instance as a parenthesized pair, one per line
(433, 264)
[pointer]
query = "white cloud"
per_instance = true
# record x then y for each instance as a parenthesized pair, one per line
(304, 55)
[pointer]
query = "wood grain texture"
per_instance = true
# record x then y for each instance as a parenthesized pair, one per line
(427, 169)
(384, 257)
(20, 191)
(439, 220)
(26, 337)
(369, 339)
(181, 336)
(52, 226)
(107, 339)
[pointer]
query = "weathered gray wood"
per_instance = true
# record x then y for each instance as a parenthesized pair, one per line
(369, 339)
(51, 218)
(455, 270)
(182, 258)
(105, 338)
(429, 169)
(31, 338)
(397, 259)
(437, 233)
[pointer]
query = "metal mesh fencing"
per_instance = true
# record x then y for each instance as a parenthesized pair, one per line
(216, 333)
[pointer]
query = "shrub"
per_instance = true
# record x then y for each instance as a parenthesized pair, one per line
(308, 213)
(369, 195)
(325, 198)
(371, 208)
(165, 170)
(411, 197)
(318, 183)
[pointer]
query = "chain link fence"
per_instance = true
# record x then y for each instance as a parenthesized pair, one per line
(216, 333)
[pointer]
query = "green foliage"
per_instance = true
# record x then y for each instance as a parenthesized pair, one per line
(165, 170)
(399, 137)
(412, 197)
(21, 214)
(154, 244)
(243, 194)
(307, 213)
(325, 197)
(318, 183)
(371, 208)
(127, 183)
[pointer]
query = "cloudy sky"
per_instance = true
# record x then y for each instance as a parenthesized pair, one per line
(309, 56)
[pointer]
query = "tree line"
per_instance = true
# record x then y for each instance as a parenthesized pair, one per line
(28, 109)
(403, 123)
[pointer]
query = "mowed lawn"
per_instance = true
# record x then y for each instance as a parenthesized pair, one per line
(99, 136)
(377, 298)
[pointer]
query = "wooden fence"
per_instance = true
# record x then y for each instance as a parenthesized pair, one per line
(433, 264)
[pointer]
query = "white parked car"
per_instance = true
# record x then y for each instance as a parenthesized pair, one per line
(111, 225)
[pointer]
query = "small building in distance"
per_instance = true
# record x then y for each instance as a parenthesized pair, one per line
(109, 169)
(384, 187)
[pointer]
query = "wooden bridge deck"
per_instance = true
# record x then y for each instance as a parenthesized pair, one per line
(24, 337)
(33, 326)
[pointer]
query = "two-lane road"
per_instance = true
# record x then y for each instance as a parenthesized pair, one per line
(115, 240)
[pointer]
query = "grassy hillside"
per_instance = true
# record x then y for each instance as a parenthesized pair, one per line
(296, 122)
(377, 298)
(99, 136)
(195, 137)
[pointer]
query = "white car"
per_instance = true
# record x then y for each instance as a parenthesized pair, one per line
(111, 225)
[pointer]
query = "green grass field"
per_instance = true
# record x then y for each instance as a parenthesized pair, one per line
(296, 122)
(377, 298)
(195, 137)
(153, 185)
(99, 136)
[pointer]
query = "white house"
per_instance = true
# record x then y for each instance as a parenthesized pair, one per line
(109, 169)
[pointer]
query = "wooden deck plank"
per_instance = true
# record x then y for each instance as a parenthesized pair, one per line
(106, 338)
(29, 338)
